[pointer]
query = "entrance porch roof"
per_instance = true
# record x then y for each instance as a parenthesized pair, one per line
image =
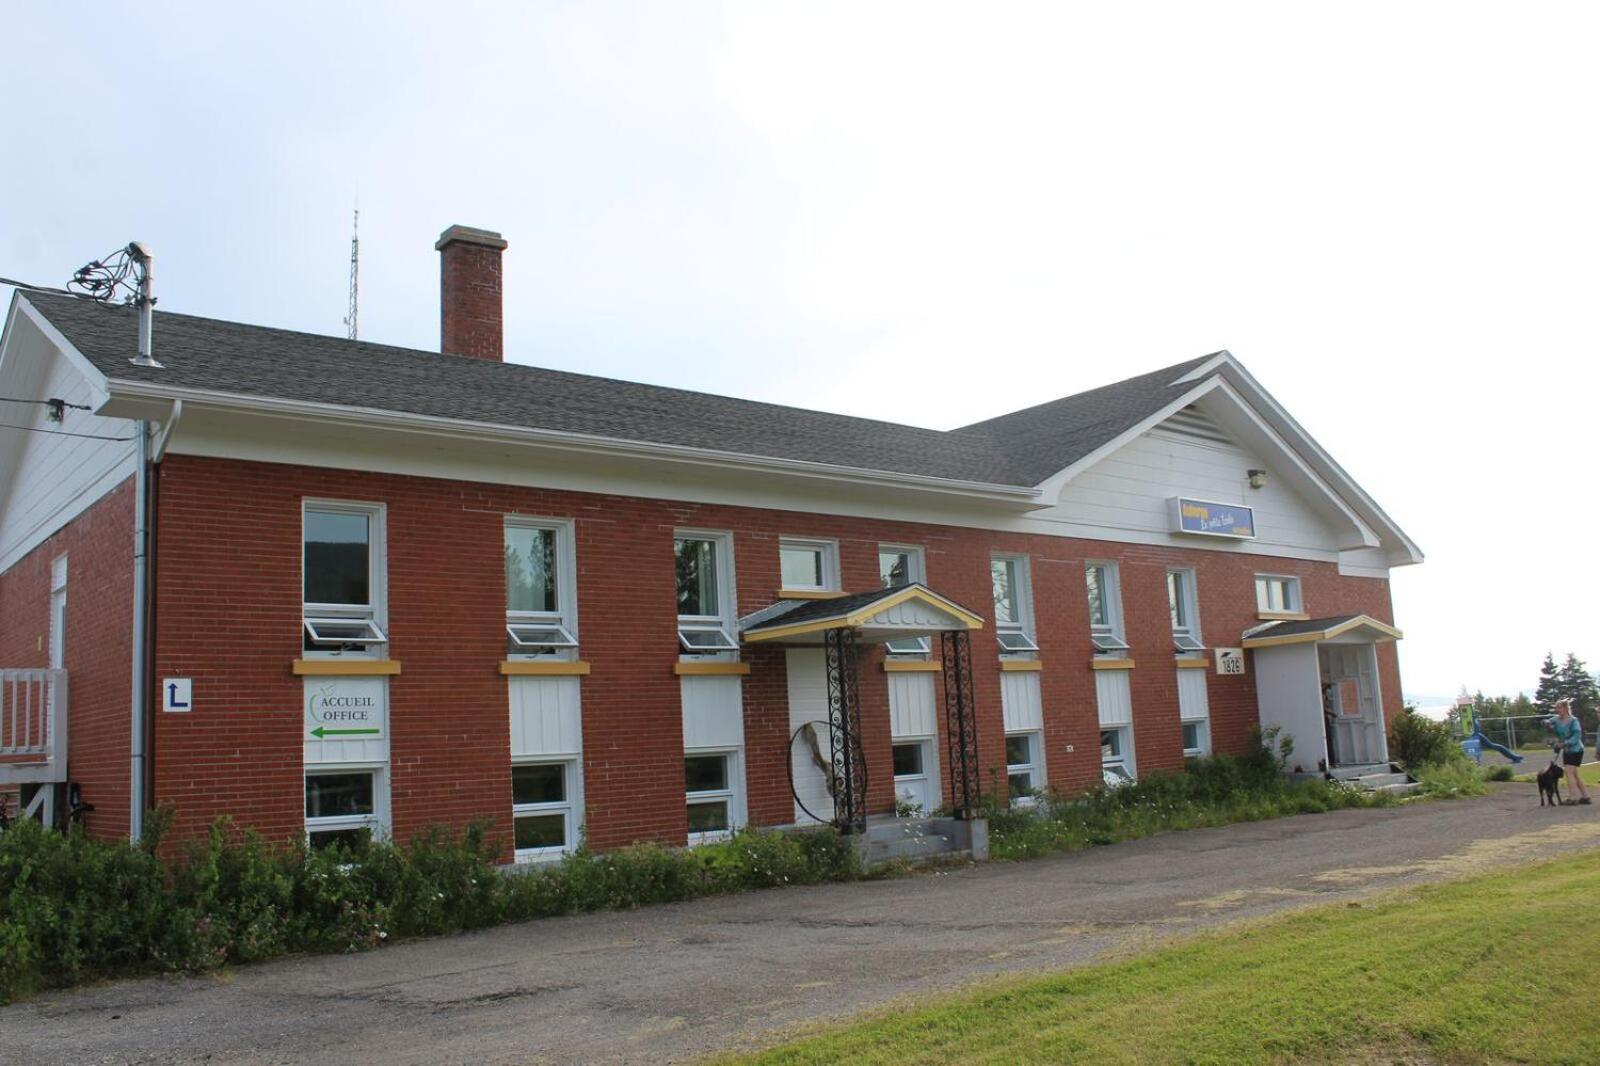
(1340, 629)
(878, 616)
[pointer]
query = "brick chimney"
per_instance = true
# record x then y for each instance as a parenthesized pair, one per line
(470, 318)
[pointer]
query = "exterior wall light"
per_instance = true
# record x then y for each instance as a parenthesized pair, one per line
(1258, 478)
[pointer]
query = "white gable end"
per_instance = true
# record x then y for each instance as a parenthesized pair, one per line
(1205, 451)
(48, 477)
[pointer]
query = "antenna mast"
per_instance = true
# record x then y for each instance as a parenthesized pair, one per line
(355, 272)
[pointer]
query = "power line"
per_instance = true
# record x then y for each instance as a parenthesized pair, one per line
(14, 283)
(48, 403)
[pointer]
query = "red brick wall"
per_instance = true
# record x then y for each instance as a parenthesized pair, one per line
(99, 549)
(471, 313)
(228, 582)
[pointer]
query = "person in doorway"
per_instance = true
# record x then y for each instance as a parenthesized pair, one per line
(1569, 738)
(1330, 715)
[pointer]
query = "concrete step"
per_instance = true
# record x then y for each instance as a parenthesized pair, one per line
(1377, 781)
(1402, 788)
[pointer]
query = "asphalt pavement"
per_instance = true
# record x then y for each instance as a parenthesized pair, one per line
(675, 982)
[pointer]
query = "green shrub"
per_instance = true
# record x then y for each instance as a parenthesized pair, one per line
(74, 909)
(1218, 790)
(1499, 773)
(1416, 742)
(1453, 777)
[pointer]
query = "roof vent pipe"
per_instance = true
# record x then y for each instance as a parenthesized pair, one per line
(142, 260)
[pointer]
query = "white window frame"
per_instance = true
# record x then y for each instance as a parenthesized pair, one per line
(1203, 725)
(374, 614)
(722, 623)
(1125, 760)
(571, 807)
(1293, 603)
(732, 795)
(377, 821)
(916, 574)
(1107, 638)
(1034, 767)
(521, 625)
(58, 613)
(1186, 639)
(925, 746)
(1016, 638)
(827, 552)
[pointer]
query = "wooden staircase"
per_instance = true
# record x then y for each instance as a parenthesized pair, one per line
(33, 738)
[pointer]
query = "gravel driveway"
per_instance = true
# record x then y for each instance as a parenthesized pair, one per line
(676, 981)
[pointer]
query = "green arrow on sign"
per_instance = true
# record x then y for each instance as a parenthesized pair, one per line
(323, 731)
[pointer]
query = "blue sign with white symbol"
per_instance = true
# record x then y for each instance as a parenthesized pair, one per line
(1209, 519)
(177, 694)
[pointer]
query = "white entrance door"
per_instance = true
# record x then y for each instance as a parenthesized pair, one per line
(58, 613)
(1350, 680)
(912, 724)
(810, 757)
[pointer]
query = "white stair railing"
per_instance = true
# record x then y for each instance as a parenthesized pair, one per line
(33, 726)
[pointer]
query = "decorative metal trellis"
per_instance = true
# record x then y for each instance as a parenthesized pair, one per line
(961, 727)
(844, 731)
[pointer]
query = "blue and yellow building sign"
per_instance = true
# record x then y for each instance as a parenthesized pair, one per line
(1213, 519)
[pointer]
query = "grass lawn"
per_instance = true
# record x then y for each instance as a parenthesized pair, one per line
(1590, 772)
(1454, 972)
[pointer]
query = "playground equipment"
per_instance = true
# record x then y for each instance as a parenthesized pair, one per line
(1473, 742)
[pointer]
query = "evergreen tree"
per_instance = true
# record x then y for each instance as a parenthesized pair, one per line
(1549, 690)
(1575, 683)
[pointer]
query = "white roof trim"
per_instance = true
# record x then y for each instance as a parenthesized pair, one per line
(455, 428)
(80, 362)
(1224, 372)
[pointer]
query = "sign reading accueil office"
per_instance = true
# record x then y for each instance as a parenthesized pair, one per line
(1209, 519)
(346, 709)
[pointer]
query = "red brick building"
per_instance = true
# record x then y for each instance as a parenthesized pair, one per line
(386, 589)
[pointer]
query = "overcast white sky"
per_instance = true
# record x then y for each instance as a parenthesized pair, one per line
(922, 212)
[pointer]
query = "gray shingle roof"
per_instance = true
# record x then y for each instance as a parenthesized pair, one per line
(1019, 449)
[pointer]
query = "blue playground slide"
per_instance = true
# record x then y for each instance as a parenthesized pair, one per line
(1475, 742)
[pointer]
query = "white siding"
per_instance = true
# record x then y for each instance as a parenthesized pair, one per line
(808, 705)
(1020, 703)
(546, 716)
(1115, 695)
(1192, 702)
(911, 709)
(713, 712)
(911, 613)
(1129, 489)
(47, 479)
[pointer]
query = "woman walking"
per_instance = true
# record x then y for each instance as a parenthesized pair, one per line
(1569, 732)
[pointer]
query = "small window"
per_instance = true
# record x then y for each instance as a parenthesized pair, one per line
(1022, 766)
(1276, 593)
(342, 808)
(808, 565)
(1013, 607)
(540, 596)
(342, 577)
(908, 760)
(900, 566)
(708, 785)
(1105, 608)
(1181, 604)
(1194, 738)
(705, 593)
(1116, 756)
(542, 809)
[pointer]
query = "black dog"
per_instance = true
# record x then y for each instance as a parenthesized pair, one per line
(1550, 784)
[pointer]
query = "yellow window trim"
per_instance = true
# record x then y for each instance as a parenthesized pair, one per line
(850, 621)
(683, 669)
(1282, 616)
(531, 668)
(911, 666)
(1020, 666)
(1111, 664)
(809, 594)
(346, 667)
(1359, 621)
(1192, 664)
